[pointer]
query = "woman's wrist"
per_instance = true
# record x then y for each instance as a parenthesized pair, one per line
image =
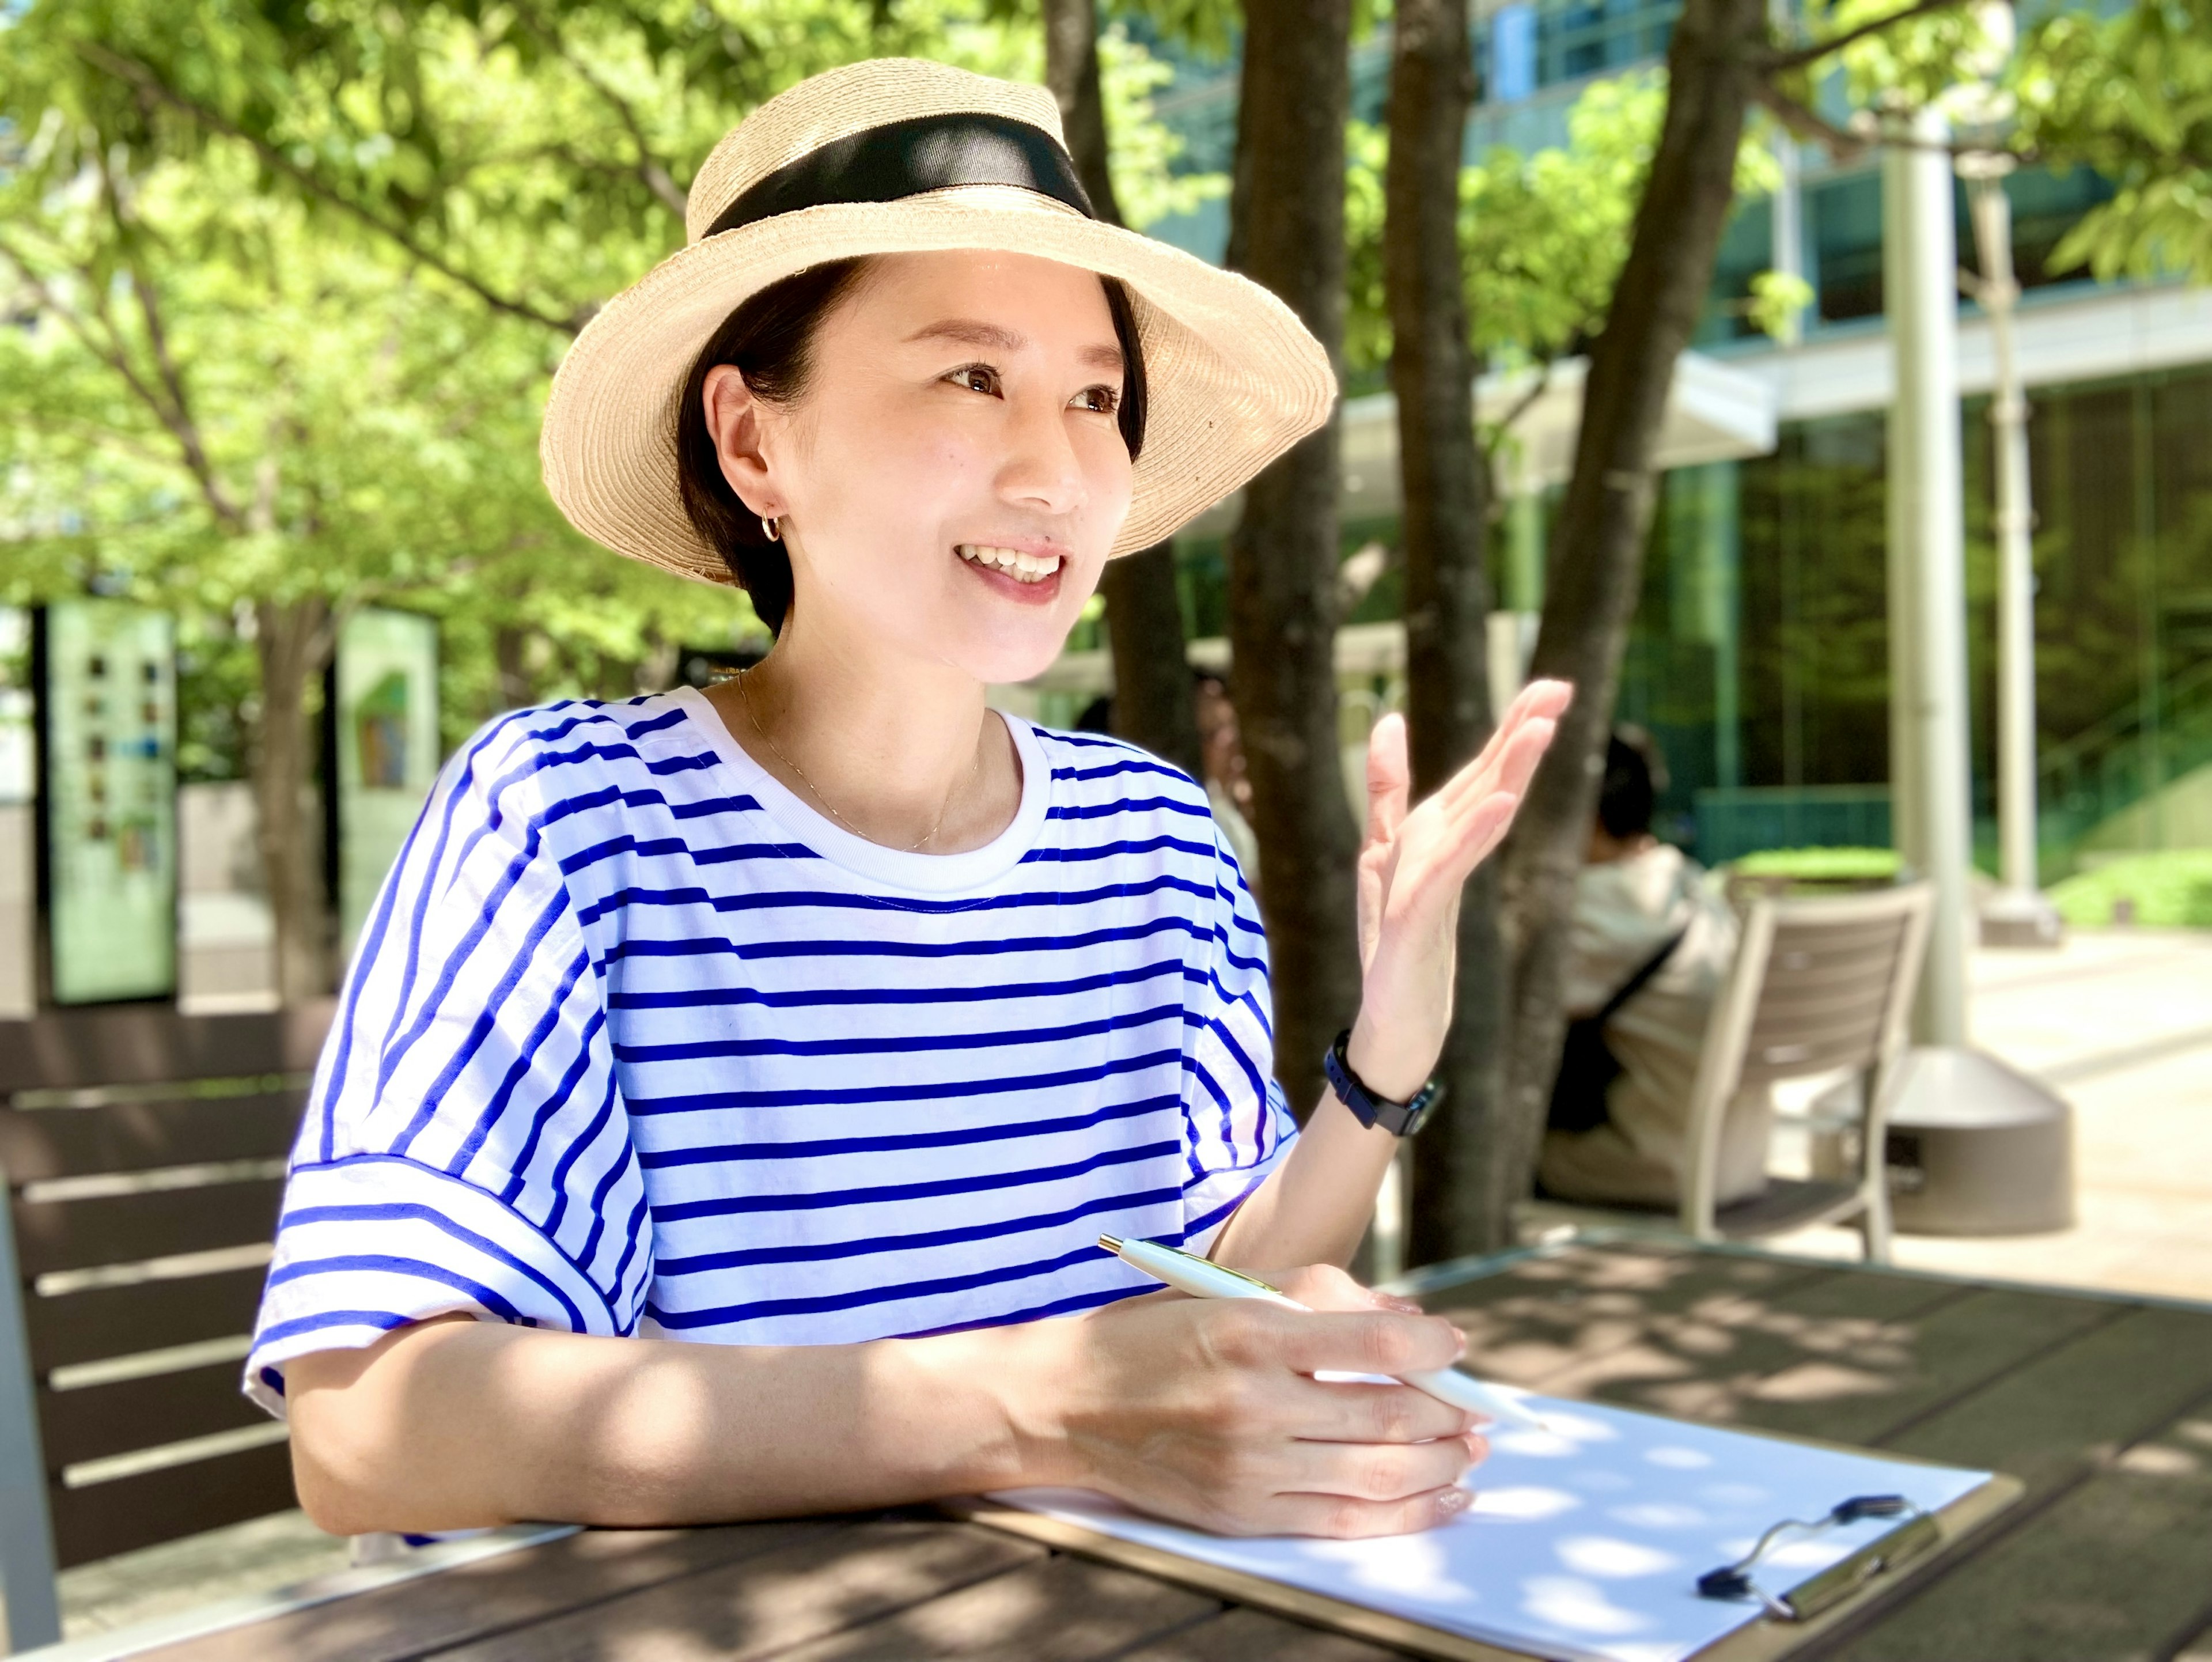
(1390, 1068)
(1012, 1378)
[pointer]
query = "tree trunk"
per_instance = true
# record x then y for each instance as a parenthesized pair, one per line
(1597, 546)
(1153, 705)
(510, 644)
(1447, 582)
(1152, 702)
(1283, 555)
(292, 641)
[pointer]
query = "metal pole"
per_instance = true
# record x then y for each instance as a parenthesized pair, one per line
(1929, 771)
(27, 1537)
(2019, 916)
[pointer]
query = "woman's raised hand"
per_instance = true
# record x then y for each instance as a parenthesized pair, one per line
(1411, 868)
(1206, 1412)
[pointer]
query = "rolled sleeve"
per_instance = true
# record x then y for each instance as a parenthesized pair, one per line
(465, 1149)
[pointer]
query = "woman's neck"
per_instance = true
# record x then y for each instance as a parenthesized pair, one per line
(903, 754)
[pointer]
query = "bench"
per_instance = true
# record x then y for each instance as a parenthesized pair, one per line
(144, 1154)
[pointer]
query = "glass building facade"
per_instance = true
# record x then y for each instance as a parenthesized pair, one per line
(1760, 654)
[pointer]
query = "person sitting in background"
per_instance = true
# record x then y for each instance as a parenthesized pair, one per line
(1651, 948)
(1221, 756)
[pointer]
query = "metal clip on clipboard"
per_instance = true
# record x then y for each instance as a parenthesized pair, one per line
(1839, 1580)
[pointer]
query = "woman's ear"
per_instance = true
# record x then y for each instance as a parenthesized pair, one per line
(735, 421)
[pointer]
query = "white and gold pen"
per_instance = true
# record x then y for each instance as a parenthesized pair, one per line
(1202, 1278)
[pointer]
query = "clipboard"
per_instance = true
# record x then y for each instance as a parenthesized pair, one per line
(1875, 1574)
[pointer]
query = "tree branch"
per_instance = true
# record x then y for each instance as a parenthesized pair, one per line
(1807, 123)
(151, 85)
(173, 420)
(649, 169)
(1782, 62)
(1522, 405)
(175, 408)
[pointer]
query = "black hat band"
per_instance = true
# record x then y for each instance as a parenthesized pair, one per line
(907, 158)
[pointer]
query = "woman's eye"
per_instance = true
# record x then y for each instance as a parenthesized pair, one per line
(1103, 399)
(976, 378)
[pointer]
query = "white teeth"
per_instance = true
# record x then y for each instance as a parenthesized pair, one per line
(1023, 567)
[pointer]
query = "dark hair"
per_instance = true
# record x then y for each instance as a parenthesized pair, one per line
(769, 340)
(1634, 777)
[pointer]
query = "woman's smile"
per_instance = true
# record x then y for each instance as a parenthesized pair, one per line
(1028, 575)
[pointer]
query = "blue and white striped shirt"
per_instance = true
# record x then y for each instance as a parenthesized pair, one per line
(637, 1043)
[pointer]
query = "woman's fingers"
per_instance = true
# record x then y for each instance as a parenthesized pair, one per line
(1379, 1472)
(1389, 779)
(1326, 1287)
(1342, 1517)
(1507, 762)
(1370, 1342)
(1539, 701)
(1358, 1412)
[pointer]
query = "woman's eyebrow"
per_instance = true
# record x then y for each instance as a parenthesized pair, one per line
(970, 331)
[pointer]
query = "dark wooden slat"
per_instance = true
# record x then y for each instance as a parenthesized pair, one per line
(807, 1591)
(138, 1136)
(2052, 1420)
(1595, 1319)
(130, 1415)
(1064, 1609)
(1716, 1361)
(1250, 1635)
(152, 1044)
(417, 1618)
(120, 1321)
(2054, 1423)
(106, 1519)
(2119, 1568)
(1955, 1350)
(79, 1234)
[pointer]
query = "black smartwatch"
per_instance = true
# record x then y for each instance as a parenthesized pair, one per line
(1402, 1118)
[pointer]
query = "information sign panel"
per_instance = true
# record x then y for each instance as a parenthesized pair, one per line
(386, 753)
(110, 801)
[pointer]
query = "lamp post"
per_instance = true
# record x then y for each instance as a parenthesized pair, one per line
(1973, 1147)
(1930, 784)
(2018, 915)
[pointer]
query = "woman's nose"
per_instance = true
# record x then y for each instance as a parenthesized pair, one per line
(1041, 469)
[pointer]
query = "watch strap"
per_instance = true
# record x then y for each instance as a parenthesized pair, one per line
(1400, 1118)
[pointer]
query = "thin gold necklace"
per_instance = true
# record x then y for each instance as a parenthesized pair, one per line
(814, 790)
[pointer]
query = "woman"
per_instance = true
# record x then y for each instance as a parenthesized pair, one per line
(829, 1017)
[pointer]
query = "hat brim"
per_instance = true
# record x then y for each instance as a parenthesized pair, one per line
(1232, 378)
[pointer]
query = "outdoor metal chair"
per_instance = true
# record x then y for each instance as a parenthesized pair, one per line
(144, 1154)
(1819, 986)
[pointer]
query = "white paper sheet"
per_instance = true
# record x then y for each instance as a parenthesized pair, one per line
(1584, 1542)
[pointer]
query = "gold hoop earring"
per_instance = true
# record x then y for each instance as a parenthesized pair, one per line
(768, 528)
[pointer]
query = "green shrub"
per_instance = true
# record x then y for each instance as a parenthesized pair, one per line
(1822, 865)
(2171, 891)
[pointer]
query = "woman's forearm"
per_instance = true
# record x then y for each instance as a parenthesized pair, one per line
(457, 1423)
(1313, 1208)
(1209, 1413)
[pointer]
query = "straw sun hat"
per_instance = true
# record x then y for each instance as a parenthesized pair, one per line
(899, 156)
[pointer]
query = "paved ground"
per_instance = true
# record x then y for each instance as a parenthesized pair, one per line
(2120, 1023)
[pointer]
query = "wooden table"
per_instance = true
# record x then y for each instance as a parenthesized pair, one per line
(2103, 1406)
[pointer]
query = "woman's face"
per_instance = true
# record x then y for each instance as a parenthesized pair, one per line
(954, 473)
